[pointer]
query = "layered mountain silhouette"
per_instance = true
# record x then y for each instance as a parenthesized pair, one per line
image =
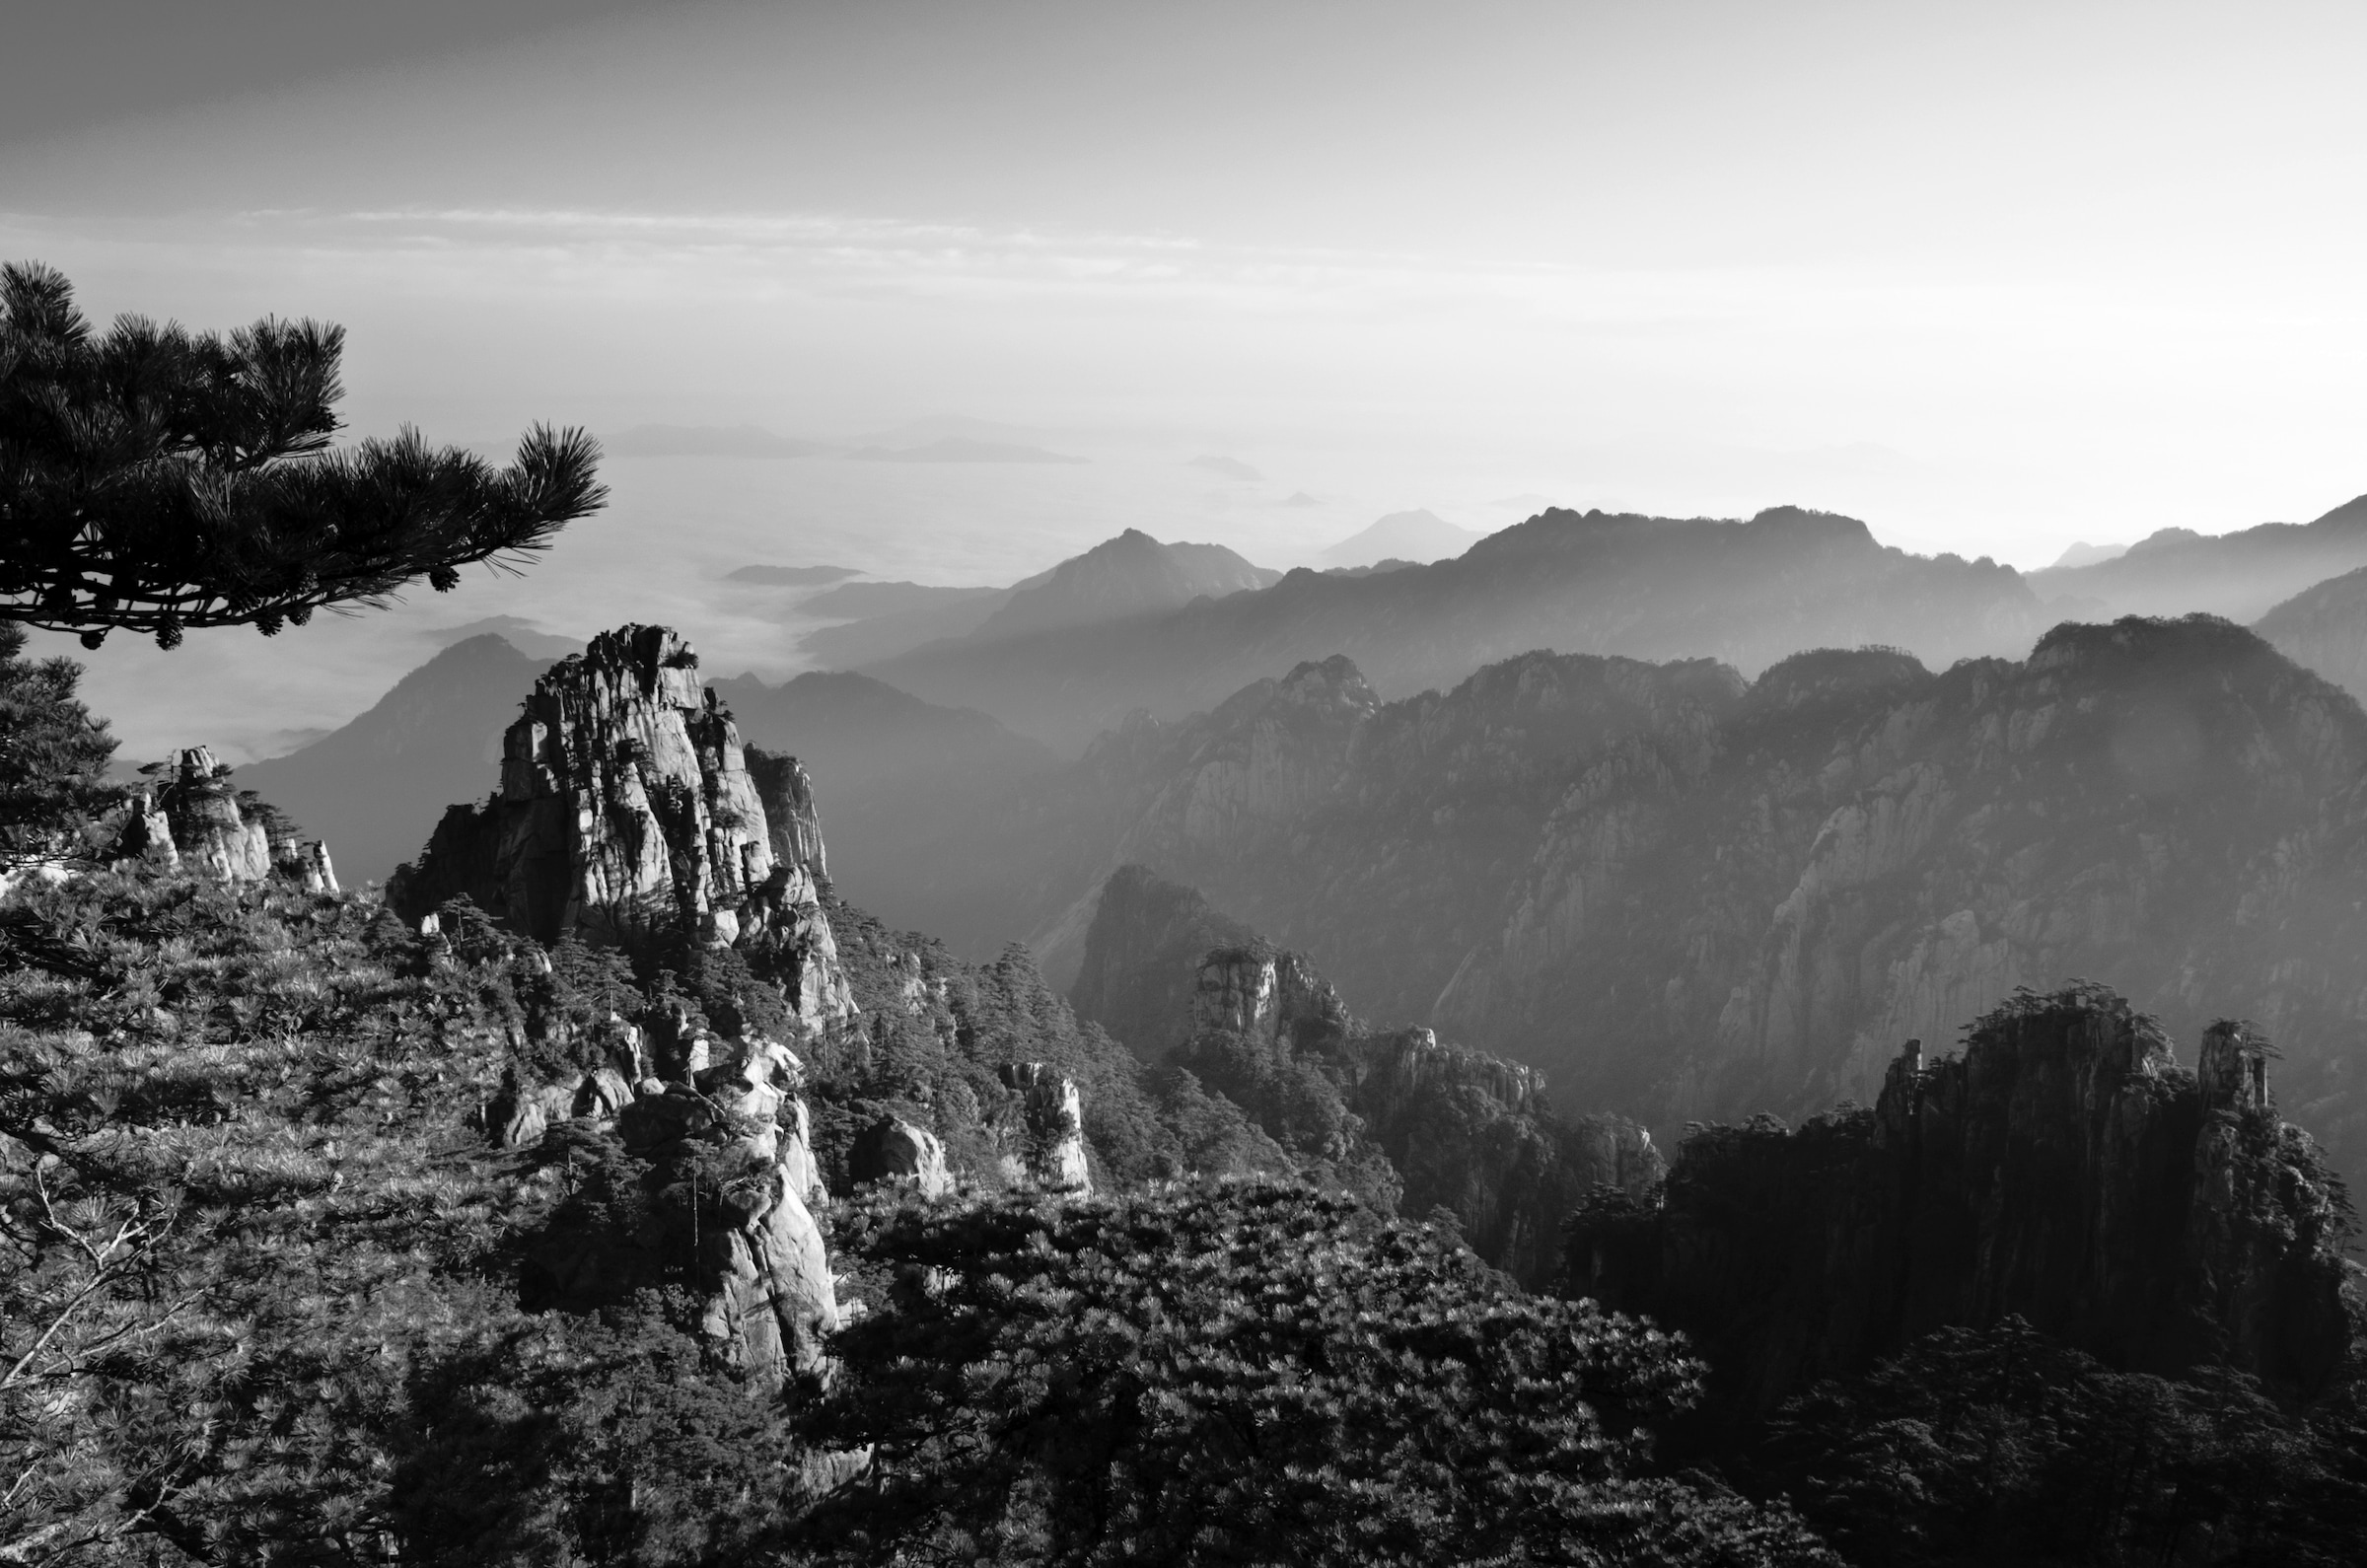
(375, 787)
(1118, 579)
(1685, 895)
(1403, 537)
(2240, 575)
(1427, 1127)
(2325, 626)
(1745, 593)
(883, 763)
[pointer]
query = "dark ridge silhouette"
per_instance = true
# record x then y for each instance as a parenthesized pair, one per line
(2063, 1170)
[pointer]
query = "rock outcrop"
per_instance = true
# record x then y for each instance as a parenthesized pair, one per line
(210, 834)
(786, 793)
(1052, 1152)
(772, 1298)
(892, 1149)
(194, 822)
(1393, 1113)
(2064, 1168)
(626, 816)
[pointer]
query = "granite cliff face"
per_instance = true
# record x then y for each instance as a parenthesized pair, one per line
(770, 1297)
(1409, 1122)
(626, 816)
(2064, 1168)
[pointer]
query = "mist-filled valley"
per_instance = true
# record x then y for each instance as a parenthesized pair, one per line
(1057, 785)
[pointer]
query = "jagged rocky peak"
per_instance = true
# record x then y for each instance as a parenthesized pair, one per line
(192, 821)
(1051, 1126)
(1326, 691)
(786, 792)
(1269, 994)
(2234, 1071)
(2062, 1168)
(627, 815)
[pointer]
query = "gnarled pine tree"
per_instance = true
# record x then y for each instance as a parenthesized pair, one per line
(157, 479)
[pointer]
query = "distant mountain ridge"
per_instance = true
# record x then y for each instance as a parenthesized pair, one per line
(2324, 627)
(1129, 575)
(880, 760)
(2240, 575)
(1655, 587)
(1415, 536)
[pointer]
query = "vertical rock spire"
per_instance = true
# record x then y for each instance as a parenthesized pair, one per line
(627, 815)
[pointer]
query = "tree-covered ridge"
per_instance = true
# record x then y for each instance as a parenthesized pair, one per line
(1251, 1373)
(276, 1293)
(2002, 1444)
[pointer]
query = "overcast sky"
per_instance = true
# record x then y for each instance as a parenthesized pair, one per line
(1991, 276)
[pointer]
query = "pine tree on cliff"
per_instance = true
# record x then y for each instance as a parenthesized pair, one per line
(157, 479)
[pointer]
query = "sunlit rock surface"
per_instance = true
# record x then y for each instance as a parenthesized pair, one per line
(627, 815)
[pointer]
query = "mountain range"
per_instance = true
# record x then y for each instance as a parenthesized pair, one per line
(2239, 574)
(1690, 896)
(1119, 579)
(1745, 592)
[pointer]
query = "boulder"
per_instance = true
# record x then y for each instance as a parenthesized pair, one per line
(894, 1150)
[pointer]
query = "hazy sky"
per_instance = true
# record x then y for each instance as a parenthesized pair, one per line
(1993, 277)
